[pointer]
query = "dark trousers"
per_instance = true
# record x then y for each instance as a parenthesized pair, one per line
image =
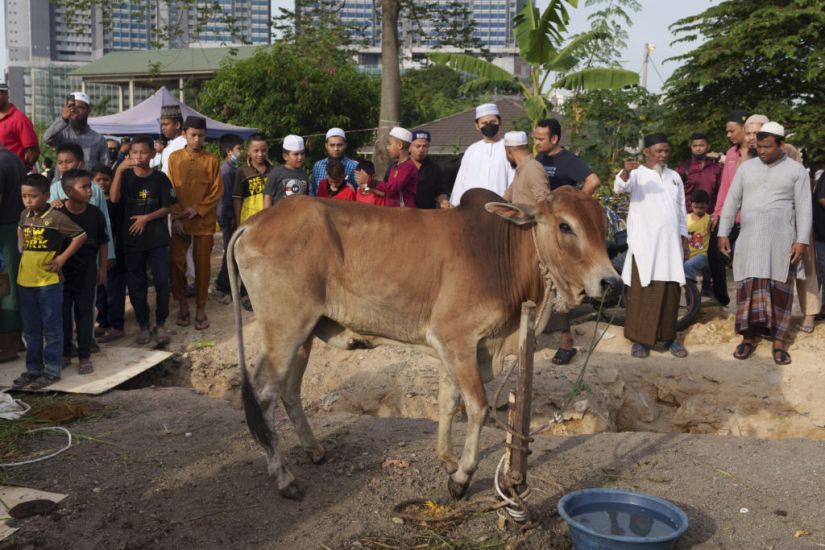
(157, 261)
(718, 265)
(652, 311)
(111, 297)
(41, 308)
(222, 281)
(78, 306)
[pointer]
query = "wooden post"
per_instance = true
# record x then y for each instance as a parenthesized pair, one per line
(520, 401)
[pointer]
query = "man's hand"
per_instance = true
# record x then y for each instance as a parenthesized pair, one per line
(444, 203)
(68, 110)
(189, 213)
(177, 227)
(629, 165)
(724, 245)
(713, 223)
(102, 275)
(57, 203)
(797, 250)
(685, 249)
(138, 225)
(56, 264)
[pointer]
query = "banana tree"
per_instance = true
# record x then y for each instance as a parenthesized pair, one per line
(540, 40)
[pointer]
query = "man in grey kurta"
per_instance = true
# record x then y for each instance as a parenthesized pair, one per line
(773, 195)
(72, 126)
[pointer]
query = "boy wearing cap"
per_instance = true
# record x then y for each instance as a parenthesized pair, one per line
(432, 190)
(401, 185)
(72, 126)
(291, 178)
(484, 163)
(336, 147)
(773, 195)
(196, 178)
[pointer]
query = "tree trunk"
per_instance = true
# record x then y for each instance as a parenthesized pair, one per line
(390, 83)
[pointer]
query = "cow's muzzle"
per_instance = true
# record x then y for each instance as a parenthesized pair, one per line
(611, 287)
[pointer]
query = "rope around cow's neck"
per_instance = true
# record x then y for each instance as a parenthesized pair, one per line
(549, 286)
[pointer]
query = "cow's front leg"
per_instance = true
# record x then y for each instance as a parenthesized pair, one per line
(465, 369)
(448, 399)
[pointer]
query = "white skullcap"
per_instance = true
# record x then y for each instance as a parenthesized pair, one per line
(336, 132)
(487, 109)
(293, 143)
(515, 139)
(401, 133)
(756, 119)
(773, 128)
(80, 96)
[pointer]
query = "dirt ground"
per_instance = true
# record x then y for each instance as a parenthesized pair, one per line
(737, 445)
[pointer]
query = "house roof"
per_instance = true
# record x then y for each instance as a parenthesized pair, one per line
(452, 135)
(160, 64)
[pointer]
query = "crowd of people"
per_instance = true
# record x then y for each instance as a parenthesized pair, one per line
(117, 214)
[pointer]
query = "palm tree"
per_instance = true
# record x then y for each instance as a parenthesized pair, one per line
(539, 37)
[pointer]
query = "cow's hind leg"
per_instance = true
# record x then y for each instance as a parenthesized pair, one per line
(448, 399)
(291, 399)
(260, 417)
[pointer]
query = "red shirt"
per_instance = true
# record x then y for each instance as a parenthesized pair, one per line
(731, 164)
(345, 192)
(696, 176)
(369, 198)
(17, 132)
(402, 183)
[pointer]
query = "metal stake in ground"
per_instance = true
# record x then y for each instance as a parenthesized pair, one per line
(517, 443)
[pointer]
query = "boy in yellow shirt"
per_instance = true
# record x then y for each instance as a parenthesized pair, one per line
(698, 224)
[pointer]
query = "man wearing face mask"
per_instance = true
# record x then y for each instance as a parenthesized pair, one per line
(657, 239)
(72, 126)
(485, 162)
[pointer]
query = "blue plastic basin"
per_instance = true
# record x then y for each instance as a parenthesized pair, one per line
(613, 519)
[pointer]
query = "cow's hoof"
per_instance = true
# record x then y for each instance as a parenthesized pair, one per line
(292, 492)
(457, 490)
(317, 456)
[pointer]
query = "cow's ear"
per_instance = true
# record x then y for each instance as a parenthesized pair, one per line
(519, 214)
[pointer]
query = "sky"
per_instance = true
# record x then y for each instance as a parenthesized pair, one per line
(650, 26)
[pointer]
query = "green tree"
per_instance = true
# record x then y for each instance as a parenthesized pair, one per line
(432, 93)
(540, 37)
(611, 124)
(763, 56)
(297, 88)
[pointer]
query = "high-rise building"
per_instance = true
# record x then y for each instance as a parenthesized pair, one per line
(44, 44)
(494, 24)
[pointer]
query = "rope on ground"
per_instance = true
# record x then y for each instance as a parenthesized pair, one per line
(40, 459)
(433, 512)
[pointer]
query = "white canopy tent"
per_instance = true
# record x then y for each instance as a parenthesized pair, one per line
(144, 118)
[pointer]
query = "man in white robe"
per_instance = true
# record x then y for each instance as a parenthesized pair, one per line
(657, 240)
(485, 162)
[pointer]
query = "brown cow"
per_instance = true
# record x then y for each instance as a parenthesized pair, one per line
(449, 281)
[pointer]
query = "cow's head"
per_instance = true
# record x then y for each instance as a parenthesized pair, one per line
(569, 229)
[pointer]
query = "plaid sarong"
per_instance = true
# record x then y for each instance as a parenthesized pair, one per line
(764, 307)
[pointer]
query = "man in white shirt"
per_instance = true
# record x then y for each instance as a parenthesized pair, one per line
(171, 126)
(485, 162)
(657, 239)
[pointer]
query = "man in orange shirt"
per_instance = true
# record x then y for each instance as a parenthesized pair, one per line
(196, 178)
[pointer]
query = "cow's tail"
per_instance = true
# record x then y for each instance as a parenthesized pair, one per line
(252, 409)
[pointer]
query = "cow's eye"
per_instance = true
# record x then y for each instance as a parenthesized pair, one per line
(565, 228)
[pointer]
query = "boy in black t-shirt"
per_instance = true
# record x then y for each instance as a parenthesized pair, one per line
(147, 196)
(86, 269)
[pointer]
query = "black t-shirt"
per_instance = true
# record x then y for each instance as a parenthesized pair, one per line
(564, 168)
(819, 210)
(431, 184)
(141, 196)
(12, 172)
(81, 269)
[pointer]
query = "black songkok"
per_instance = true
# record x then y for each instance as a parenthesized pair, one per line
(654, 139)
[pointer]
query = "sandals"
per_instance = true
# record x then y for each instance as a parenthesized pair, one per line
(202, 324)
(744, 350)
(23, 380)
(781, 357)
(43, 381)
(678, 350)
(144, 337)
(807, 328)
(85, 367)
(640, 351)
(111, 336)
(183, 320)
(564, 356)
(162, 335)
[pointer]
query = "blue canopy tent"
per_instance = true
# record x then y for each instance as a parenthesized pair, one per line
(144, 118)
